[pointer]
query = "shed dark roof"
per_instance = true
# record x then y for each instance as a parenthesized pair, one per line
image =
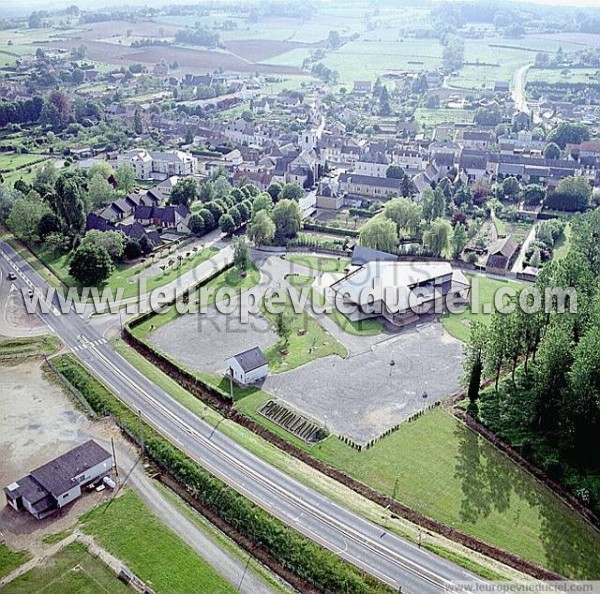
(361, 255)
(57, 476)
(251, 359)
(28, 488)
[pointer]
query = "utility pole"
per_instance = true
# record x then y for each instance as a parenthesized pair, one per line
(244, 574)
(231, 384)
(141, 431)
(112, 445)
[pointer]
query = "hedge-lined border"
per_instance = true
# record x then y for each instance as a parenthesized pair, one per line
(193, 482)
(220, 401)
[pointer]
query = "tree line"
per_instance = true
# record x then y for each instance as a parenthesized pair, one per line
(548, 405)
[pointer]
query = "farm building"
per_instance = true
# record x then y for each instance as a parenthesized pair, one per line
(57, 483)
(248, 367)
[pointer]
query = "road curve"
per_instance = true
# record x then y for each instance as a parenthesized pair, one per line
(384, 555)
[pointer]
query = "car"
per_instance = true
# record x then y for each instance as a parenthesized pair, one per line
(12, 276)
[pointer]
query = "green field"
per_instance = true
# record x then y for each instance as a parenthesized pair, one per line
(366, 60)
(71, 571)
(294, 57)
(484, 288)
(128, 530)
(10, 559)
(442, 469)
(12, 161)
(555, 75)
(434, 117)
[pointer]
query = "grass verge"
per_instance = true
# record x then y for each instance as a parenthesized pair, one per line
(73, 570)
(10, 559)
(483, 290)
(128, 530)
(29, 346)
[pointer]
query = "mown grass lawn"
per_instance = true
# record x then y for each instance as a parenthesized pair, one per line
(231, 279)
(128, 530)
(308, 341)
(439, 467)
(71, 571)
(126, 275)
(10, 559)
(368, 327)
(484, 289)
(12, 161)
(563, 245)
(319, 263)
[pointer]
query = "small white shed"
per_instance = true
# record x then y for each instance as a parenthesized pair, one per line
(248, 367)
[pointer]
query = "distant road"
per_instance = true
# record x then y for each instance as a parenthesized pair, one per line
(518, 91)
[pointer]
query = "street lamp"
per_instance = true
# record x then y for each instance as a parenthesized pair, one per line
(392, 363)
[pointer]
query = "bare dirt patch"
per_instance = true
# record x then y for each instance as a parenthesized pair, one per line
(37, 423)
(257, 50)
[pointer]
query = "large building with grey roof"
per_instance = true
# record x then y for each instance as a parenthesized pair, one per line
(57, 483)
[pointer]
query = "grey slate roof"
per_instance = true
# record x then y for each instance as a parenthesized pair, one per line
(361, 255)
(56, 476)
(251, 359)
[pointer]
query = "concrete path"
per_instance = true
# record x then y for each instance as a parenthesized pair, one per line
(518, 265)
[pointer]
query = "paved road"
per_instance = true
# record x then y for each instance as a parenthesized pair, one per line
(518, 91)
(382, 554)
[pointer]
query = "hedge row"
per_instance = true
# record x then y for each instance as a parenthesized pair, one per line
(314, 565)
(219, 400)
(332, 230)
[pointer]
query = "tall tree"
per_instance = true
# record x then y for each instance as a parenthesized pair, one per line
(379, 234)
(185, 191)
(438, 236)
(287, 218)
(69, 204)
(90, 264)
(261, 229)
(125, 177)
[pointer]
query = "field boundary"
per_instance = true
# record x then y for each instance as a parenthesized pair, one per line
(557, 488)
(220, 401)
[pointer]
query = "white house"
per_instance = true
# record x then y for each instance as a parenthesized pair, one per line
(248, 367)
(166, 164)
(372, 164)
(57, 483)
